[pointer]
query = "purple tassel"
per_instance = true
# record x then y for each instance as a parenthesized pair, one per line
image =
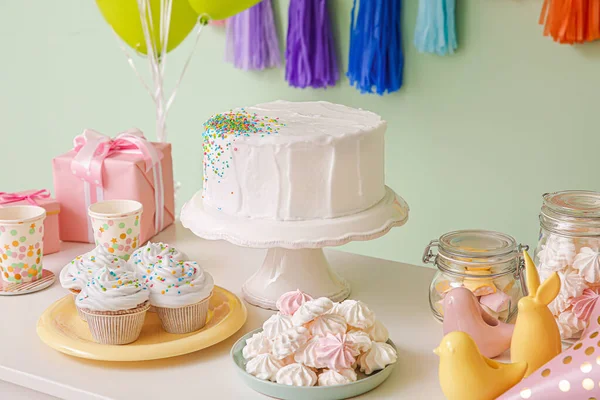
(252, 42)
(310, 54)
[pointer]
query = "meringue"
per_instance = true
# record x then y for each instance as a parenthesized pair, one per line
(296, 375)
(289, 302)
(335, 352)
(356, 313)
(307, 354)
(113, 288)
(558, 305)
(380, 355)
(557, 253)
(330, 377)
(264, 366)
(359, 341)
(584, 304)
(569, 325)
(378, 332)
(145, 257)
(277, 324)
(327, 324)
(257, 344)
(311, 310)
(288, 342)
(76, 274)
(572, 285)
(588, 264)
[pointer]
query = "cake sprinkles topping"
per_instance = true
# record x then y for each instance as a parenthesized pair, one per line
(231, 125)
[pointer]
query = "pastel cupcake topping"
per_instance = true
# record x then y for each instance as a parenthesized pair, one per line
(174, 284)
(76, 274)
(113, 287)
(145, 257)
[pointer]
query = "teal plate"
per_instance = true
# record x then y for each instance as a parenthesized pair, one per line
(364, 383)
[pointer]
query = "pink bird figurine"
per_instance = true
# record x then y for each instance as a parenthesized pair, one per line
(462, 312)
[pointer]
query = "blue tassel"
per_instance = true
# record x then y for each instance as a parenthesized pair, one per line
(376, 59)
(435, 31)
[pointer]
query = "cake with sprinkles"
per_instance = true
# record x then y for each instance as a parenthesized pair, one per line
(293, 161)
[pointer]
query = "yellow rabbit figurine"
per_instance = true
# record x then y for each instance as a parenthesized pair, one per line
(536, 338)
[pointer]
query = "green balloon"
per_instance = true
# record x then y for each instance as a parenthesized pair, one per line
(124, 17)
(221, 9)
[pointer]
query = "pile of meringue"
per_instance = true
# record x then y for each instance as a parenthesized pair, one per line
(577, 262)
(318, 342)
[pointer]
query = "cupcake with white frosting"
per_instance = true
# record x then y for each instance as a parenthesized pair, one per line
(75, 275)
(145, 257)
(114, 302)
(180, 292)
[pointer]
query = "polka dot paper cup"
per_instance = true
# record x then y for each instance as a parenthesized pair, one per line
(21, 243)
(116, 225)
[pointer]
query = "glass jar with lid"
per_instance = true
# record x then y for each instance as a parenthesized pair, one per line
(569, 244)
(487, 263)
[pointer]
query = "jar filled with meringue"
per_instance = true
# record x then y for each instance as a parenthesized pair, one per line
(569, 244)
(487, 263)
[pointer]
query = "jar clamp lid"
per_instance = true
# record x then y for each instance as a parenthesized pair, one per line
(465, 248)
(571, 213)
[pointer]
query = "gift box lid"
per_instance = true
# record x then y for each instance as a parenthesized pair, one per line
(51, 205)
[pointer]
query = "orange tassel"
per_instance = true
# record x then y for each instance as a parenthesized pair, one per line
(571, 21)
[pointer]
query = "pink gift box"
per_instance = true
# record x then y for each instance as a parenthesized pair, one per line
(114, 169)
(40, 198)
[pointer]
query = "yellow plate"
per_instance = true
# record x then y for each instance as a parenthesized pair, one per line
(61, 328)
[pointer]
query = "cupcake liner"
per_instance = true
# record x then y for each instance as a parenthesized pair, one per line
(75, 293)
(116, 327)
(184, 319)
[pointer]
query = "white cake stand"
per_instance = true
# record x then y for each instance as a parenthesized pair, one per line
(295, 259)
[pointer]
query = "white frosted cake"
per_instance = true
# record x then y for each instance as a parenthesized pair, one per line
(293, 161)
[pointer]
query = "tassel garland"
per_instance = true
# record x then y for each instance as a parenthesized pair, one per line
(435, 31)
(252, 42)
(376, 59)
(310, 54)
(571, 21)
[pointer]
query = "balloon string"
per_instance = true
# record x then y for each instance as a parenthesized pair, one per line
(146, 19)
(157, 59)
(133, 67)
(185, 66)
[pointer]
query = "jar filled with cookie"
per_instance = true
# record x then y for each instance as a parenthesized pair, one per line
(487, 263)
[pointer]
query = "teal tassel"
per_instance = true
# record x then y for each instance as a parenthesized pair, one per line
(435, 31)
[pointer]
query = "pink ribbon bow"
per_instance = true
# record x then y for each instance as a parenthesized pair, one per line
(6, 197)
(93, 147)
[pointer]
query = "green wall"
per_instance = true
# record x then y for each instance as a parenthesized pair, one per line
(473, 139)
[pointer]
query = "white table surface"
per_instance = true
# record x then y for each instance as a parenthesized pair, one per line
(396, 292)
